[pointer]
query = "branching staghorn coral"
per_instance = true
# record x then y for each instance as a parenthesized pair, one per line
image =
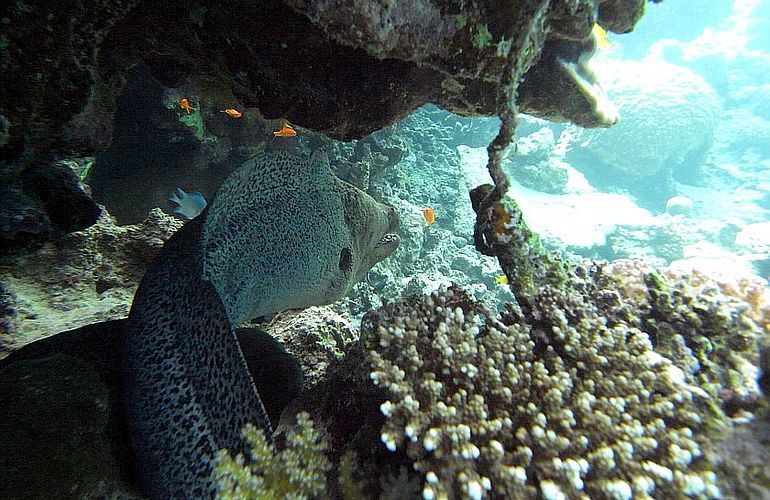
(553, 404)
(298, 472)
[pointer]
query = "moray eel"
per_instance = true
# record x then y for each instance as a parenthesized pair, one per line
(282, 232)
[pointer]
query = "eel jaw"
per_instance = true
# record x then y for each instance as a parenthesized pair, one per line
(587, 83)
(389, 239)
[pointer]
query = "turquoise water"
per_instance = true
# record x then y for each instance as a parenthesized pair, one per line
(600, 333)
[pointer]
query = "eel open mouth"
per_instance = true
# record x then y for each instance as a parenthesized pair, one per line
(390, 239)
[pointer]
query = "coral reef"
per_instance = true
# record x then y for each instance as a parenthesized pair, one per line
(363, 162)
(710, 327)
(621, 383)
(317, 336)
(557, 402)
(534, 165)
(657, 101)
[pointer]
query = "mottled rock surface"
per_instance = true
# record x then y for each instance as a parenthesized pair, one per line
(85, 277)
(326, 65)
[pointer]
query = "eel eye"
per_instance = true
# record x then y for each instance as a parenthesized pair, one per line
(346, 260)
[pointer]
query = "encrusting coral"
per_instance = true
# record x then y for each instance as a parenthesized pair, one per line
(709, 328)
(555, 401)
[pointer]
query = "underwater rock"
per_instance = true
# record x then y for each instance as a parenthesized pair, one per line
(452, 129)
(316, 336)
(8, 315)
(86, 277)
(24, 225)
(534, 165)
(679, 205)
(68, 456)
(77, 374)
(742, 132)
(362, 162)
(172, 149)
(68, 206)
(404, 55)
(40, 203)
(667, 238)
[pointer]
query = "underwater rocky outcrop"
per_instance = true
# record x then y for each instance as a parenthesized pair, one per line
(623, 384)
(321, 71)
(43, 201)
(451, 53)
(628, 382)
(84, 277)
(614, 381)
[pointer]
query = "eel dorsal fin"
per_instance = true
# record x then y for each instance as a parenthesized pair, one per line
(187, 386)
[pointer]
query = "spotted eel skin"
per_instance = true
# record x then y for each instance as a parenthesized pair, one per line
(282, 232)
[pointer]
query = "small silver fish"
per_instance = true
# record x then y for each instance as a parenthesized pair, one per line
(190, 205)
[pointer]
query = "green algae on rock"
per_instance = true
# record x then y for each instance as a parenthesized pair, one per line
(525, 261)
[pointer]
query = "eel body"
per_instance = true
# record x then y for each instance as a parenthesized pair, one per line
(282, 232)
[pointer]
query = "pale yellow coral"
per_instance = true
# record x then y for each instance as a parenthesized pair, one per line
(298, 471)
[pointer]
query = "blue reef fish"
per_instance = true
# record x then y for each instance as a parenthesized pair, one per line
(190, 205)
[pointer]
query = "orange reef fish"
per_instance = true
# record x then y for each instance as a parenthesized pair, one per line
(600, 34)
(232, 113)
(285, 131)
(429, 215)
(184, 103)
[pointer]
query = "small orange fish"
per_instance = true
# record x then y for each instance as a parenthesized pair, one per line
(232, 113)
(429, 215)
(184, 103)
(285, 131)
